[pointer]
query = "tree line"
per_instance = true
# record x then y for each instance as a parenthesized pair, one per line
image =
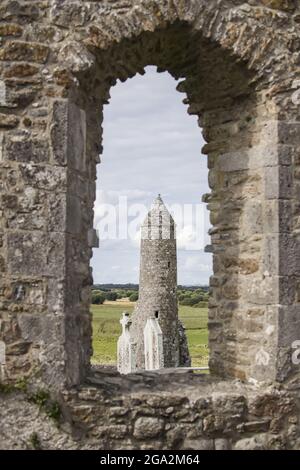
(188, 296)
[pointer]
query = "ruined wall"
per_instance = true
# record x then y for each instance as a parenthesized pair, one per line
(170, 411)
(239, 65)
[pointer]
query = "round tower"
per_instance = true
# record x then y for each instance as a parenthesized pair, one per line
(158, 283)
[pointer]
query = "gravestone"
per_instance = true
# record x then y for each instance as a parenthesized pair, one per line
(153, 345)
(126, 348)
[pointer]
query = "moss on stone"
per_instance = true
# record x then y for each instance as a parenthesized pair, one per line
(43, 400)
(34, 441)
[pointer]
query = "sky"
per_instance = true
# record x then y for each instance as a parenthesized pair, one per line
(151, 146)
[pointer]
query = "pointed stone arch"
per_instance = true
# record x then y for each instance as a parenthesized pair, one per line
(227, 53)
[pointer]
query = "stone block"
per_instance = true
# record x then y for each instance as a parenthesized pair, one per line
(8, 121)
(93, 239)
(285, 5)
(251, 217)
(1, 147)
(24, 51)
(77, 57)
(74, 215)
(26, 253)
(277, 216)
(198, 444)
(289, 133)
(252, 443)
(278, 182)
(55, 254)
(59, 137)
(68, 135)
(19, 348)
(270, 255)
(27, 150)
(235, 161)
(289, 325)
(67, 12)
(21, 70)
(16, 9)
(56, 212)
(262, 290)
(285, 154)
(116, 431)
(289, 254)
(27, 293)
(10, 29)
(34, 254)
(46, 177)
(222, 444)
(56, 295)
(259, 156)
(148, 427)
(2, 93)
(2, 353)
(254, 426)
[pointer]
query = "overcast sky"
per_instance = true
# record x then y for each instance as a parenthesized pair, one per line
(151, 146)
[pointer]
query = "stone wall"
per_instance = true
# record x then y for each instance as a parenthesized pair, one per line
(152, 411)
(239, 65)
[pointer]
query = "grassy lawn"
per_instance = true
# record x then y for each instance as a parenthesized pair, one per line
(107, 329)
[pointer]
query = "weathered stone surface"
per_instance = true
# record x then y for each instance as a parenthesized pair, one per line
(8, 121)
(96, 407)
(2, 353)
(280, 4)
(27, 254)
(21, 70)
(66, 12)
(76, 57)
(27, 150)
(10, 29)
(22, 51)
(17, 10)
(222, 444)
(197, 444)
(68, 134)
(146, 427)
(251, 443)
(242, 83)
(44, 177)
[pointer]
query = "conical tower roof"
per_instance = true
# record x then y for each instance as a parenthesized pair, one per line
(158, 224)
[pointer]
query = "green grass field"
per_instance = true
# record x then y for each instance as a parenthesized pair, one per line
(107, 329)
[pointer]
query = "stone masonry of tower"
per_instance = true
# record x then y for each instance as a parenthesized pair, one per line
(158, 287)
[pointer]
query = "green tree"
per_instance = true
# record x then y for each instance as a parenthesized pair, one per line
(111, 296)
(97, 297)
(134, 297)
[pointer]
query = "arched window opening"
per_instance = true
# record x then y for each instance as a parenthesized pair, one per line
(151, 146)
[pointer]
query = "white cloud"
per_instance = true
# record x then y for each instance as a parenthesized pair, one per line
(193, 263)
(151, 146)
(186, 236)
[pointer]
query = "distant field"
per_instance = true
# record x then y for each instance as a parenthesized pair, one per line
(106, 330)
